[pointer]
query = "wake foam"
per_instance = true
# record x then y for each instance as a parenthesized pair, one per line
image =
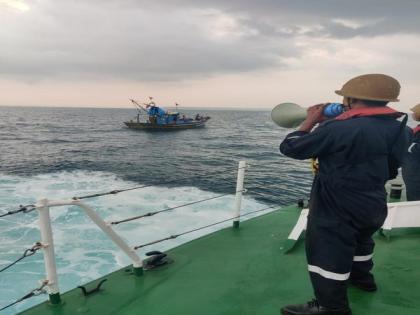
(83, 252)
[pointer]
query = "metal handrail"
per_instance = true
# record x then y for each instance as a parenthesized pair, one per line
(43, 208)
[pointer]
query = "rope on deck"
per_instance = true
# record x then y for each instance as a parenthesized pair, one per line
(28, 252)
(201, 228)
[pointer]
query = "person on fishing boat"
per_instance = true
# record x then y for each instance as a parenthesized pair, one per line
(358, 151)
(411, 163)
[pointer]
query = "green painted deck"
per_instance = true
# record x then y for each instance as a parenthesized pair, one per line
(243, 271)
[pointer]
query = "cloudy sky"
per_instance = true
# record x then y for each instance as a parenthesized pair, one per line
(230, 53)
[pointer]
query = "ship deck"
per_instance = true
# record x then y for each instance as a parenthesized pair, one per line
(244, 271)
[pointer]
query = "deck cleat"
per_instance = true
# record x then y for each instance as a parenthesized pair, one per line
(156, 259)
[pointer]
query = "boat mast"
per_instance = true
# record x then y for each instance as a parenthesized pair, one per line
(138, 105)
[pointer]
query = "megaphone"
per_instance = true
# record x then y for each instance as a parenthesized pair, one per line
(290, 115)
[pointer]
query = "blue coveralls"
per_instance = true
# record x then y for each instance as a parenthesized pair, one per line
(348, 199)
(411, 167)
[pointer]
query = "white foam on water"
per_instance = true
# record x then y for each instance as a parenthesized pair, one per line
(83, 252)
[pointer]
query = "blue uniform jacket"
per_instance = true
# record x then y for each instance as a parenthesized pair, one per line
(411, 164)
(411, 167)
(356, 157)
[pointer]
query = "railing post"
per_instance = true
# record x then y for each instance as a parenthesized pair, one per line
(239, 190)
(395, 191)
(48, 250)
(107, 229)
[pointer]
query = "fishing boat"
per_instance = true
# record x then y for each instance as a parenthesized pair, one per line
(153, 117)
(254, 267)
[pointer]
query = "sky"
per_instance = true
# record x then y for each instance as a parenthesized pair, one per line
(230, 53)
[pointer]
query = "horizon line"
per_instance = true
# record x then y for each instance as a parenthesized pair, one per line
(110, 107)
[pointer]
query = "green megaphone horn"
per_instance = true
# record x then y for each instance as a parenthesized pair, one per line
(288, 115)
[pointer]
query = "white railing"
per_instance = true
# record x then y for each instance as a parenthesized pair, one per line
(239, 191)
(47, 242)
(44, 205)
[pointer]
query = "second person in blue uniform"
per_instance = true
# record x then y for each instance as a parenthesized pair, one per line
(411, 163)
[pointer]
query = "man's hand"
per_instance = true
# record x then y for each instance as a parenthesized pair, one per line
(315, 114)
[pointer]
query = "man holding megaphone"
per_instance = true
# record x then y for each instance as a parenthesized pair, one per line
(358, 151)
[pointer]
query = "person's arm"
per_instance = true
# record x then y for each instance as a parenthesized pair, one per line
(304, 144)
(315, 115)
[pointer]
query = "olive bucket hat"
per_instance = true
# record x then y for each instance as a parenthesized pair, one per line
(372, 87)
(416, 110)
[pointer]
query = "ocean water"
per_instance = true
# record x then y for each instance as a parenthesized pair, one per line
(58, 153)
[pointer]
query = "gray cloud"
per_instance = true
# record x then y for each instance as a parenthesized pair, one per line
(381, 16)
(179, 39)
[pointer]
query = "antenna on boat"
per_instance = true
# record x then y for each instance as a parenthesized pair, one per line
(176, 106)
(151, 101)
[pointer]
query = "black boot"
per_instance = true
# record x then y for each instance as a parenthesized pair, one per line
(312, 308)
(368, 286)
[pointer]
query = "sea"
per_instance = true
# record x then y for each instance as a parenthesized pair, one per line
(60, 153)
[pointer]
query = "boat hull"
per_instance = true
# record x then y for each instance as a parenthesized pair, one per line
(163, 127)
